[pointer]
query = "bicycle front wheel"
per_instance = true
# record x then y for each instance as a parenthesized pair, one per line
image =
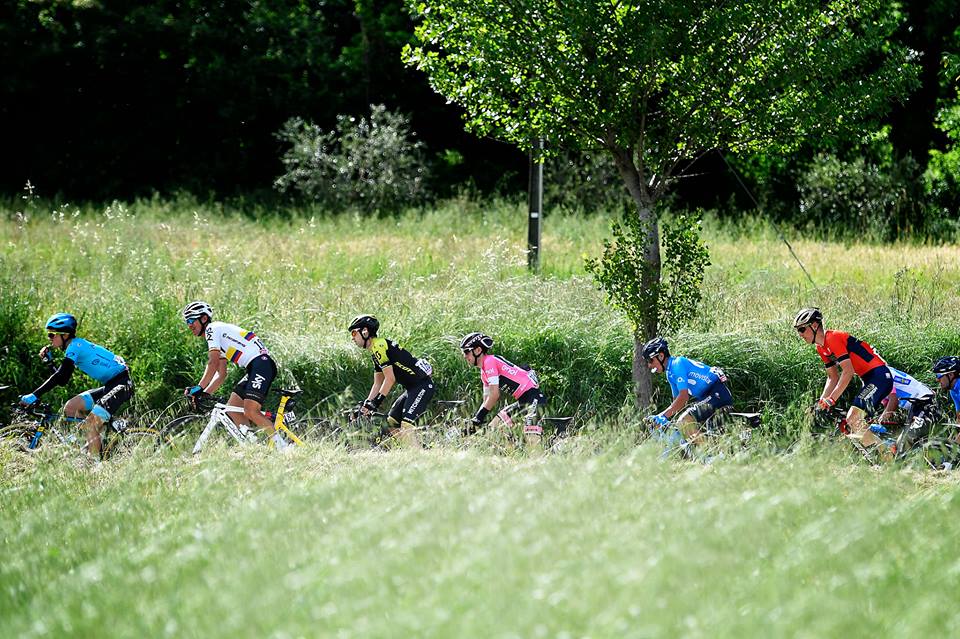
(17, 436)
(133, 439)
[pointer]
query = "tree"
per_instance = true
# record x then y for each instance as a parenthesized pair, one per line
(660, 83)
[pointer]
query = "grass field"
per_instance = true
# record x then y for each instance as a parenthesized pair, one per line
(603, 539)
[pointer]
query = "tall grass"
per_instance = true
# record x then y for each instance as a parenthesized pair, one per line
(433, 276)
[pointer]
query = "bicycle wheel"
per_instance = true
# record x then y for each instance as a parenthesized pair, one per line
(17, 436)
(133, 439)
(181, 432)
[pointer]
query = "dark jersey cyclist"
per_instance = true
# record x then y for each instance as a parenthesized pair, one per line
(688, 379)
(853, 357)
(229, 342)
(99, 404)
(393, 364)
(497, 373)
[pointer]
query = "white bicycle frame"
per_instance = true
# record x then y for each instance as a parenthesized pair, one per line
(221, 416)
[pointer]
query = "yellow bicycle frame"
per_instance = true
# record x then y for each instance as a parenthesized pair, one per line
(280, 426)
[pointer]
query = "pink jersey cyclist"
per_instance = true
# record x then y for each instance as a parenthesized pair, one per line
(497, 373)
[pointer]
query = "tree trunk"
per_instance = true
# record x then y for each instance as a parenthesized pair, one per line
(650, 279)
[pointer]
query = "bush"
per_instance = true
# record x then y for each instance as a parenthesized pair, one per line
(878, 201)
(371, 165)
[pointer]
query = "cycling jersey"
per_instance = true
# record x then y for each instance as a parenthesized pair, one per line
(408, 369)
(696, 377)
(839, 346)
(496, 371)
(237, 345)
(908, 388)
(94, 360)
(955, 395)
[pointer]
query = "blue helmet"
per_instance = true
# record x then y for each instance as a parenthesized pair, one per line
(62, 323)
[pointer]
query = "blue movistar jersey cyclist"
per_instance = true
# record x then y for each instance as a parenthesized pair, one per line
(955, 394)
(696, 377)
(94, 360)
(908, 387)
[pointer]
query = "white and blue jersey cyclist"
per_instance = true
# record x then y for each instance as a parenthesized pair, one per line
(96, 361)
(947, 372)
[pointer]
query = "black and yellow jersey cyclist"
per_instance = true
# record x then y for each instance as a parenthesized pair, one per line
(393, 364)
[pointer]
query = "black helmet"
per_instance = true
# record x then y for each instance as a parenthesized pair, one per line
(807, 316)
(655, 346)
(369, 322)
(944, 365)
(472, 340)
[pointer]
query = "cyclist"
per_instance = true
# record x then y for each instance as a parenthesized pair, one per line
(947, 371)
(918, 401)
(853, 357)
(393, 364)
(246, 350)
(98, 405)
(689, 379)
(497, 373)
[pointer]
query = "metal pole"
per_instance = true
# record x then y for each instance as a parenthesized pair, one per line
(535, 206)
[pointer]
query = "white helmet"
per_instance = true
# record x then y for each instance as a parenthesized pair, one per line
(194, 310)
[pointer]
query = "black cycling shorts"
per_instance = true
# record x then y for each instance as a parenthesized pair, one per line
(413, 402)
(717, 397)
(255, 384)
(111, 396)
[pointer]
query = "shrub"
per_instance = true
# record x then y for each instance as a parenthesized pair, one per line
(370, 164)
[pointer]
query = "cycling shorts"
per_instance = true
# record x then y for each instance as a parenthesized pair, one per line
(105, 401)
(255, 384)
(718, 396)
(877, 385)
(413, 402)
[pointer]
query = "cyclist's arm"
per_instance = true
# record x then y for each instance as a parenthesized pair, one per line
(832, 378)
(491, 395)
(60, 377)
(387, 380)
(377, 383)
(216, 365)
(845, 377)
(678, 402)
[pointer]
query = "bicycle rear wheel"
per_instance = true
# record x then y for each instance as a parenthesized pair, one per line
(133, 439)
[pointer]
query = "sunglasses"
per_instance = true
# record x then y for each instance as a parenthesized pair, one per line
(52, 335)
(802, 329)
(192, 320)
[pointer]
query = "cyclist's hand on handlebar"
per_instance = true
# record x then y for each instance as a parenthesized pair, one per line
(659, 420)
(192, 391)
(824, 404)
(28, 400)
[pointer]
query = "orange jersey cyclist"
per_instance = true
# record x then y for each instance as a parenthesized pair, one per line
(228, 342)
(846, 357)
(393, 364)
(497, 373)
(689, 379)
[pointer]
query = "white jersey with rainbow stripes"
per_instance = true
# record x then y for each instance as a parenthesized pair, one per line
(236, 344)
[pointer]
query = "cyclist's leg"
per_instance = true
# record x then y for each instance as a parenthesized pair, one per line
(533, 401)
(415, 405)
(260, 375)
(692, 419)
(877, 385)
(107, 401)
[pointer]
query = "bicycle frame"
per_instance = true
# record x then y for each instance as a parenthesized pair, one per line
(241, 433)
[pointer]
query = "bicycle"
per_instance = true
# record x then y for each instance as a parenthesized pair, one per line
(29, 427)
(220, 415)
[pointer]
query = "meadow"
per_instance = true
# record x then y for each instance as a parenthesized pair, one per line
(600, 539)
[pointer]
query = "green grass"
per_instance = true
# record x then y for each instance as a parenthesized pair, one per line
(601, 540)
(321, 543)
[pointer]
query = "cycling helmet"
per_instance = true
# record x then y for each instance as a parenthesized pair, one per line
(655, 346)
(369, 322)
(944, 365)
(471, 341)
(807, 316)
(62, 323)
(194, 310)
